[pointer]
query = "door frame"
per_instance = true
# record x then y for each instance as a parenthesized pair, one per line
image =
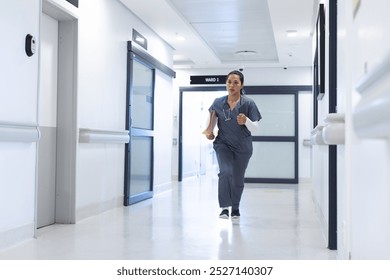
(249, 90)
(134, 53)
(332, 176)
(137, 132)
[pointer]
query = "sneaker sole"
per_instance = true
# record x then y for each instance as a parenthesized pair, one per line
(224, 217)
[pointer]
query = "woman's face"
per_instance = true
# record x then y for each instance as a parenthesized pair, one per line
(233, 84)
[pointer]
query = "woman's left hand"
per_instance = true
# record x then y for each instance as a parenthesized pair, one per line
(241, 119)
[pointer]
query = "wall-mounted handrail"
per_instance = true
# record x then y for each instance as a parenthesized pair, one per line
(87, 135)
(316, 135)
(371, 116)
(19, 132)
(334, 129)
(331, 132)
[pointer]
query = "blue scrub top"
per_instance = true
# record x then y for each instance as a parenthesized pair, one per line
(229, 131)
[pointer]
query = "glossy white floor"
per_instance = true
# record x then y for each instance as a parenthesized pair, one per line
(277, 222)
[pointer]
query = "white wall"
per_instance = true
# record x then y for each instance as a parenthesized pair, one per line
(18, 87)
(305, 123)
(363, 230)
(105, 26)
(367, 160)
(18, 104)
(320, 154)
(104, 29)
(345, 61)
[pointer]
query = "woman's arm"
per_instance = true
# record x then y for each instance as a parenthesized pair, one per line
(212, 122)
(252, 126)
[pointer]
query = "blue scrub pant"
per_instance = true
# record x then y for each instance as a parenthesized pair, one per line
(232, 165)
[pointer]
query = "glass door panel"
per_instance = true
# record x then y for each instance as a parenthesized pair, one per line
(272, 160)
(141, 154)
(193, 120)
(142, 99)
(278, 112)
(275, 148)
(198, 156)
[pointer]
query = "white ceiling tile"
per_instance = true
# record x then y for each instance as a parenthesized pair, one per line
(217, 29)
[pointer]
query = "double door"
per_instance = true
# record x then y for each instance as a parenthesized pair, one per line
(275, 144)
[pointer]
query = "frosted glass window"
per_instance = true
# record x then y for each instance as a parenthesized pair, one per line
(198, 155)
(141, 165)
(272, 160)
(278, 112)
(142, 100)
(192, 132)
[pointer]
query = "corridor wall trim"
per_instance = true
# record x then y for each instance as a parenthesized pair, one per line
(87, 135)
(371, 117)
(19, 132)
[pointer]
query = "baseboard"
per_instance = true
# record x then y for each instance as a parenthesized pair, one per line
(321, 217)
(304, 180)
(98, 208)
(15, 236)
(162, 188)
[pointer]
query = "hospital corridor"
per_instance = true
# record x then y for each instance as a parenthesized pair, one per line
(116, 117)
(182, 223)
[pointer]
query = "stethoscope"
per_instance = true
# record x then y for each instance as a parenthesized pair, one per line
(227, 112)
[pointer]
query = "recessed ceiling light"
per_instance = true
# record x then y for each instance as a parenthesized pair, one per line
(246, 52)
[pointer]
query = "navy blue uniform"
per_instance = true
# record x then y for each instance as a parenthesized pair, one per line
(233, 146)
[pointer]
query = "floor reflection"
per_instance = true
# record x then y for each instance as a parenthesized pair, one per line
(182, 222)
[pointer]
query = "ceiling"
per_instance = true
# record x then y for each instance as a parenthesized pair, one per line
(232, 33)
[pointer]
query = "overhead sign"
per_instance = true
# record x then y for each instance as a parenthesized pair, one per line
(74, 2)
(207, 80)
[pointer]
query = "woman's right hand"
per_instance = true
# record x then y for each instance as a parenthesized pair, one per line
(209, 134)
